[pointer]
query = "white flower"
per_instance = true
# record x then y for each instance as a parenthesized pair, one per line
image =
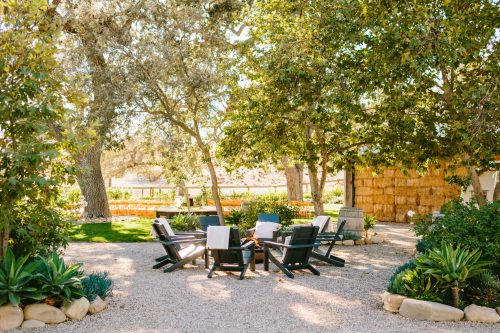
(410, 213)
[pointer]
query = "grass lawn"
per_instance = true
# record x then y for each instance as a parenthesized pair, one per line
(118, 231)
(134, 230)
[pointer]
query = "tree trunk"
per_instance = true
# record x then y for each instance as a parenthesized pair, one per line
(316, 190)
(348, 188)
(294, 179)
(5, 234)
(476, 186)
(454, 294)
(496, 191)
(213, 179)
(92, 184)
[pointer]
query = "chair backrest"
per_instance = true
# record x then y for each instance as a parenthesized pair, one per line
(171, 249)
(234, 257)
(268, 218)
(206, 221)
(166, 226)
(301, 235)
(340, 229)
(322, 222)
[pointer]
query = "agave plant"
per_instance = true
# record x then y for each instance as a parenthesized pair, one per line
(58, 281)
(452, 266)
(15, 278)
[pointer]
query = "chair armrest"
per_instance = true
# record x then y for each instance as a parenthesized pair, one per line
(181, 241)
(288, 246)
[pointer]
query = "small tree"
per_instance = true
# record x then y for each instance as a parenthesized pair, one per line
(32, 166)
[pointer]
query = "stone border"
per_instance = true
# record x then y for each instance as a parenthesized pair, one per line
(40, 314)
(432, 311)
(374, 239)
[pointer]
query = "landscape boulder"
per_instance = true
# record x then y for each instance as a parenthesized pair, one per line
(359, 242)
(45, 313)
(348, 242)
(481, 314)
(368, 241)
(392, 302)
(97, 305)
(377, 239)
(32, 323)
(11, 316)
(77, 309)
(432, 311)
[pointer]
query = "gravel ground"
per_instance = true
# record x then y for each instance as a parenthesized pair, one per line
(341, 299)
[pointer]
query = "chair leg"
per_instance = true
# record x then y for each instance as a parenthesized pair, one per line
(281, 267)
(313, 269)
(178, 264)
(330, 260)
(207, 259)
(266, 259)
(161, 264)
(337, 259)
(211, 271)
(161, 258)
(243, 271)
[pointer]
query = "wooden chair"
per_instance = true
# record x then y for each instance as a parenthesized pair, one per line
(176, 255)
(297, 253)
(329, 239)
(236, 257)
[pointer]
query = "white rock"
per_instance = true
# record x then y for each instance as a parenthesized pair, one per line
(359, 242)
(77, 309)
(32, 323)
(348, 242)
(392, 302)
(11, 317)
(97, 305)
(377, 239)
(45, 313)
(481, 314)
(432, 311)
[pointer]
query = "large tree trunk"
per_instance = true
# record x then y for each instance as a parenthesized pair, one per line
(476, 186)
(316, 189)
(92, 184)
(294, 179)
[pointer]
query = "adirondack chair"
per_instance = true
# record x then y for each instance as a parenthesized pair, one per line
(236, 257)
(206, 221)
(178, 256)
(165, 226)
(327, 257)
(296, 252)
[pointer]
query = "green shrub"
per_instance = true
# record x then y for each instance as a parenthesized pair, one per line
(97, 284)
(423, 246)
(185, 222)
(16, 276)
(118, 194)
(483, 289)
(466, 224)
(57, 280)
(451, 267)
(39, 229)
(350, 236)
(396, 284)
(420, 285)
(235, 217)
(73, 195)
(335, 195)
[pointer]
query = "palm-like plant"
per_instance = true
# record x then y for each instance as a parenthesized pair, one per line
(59, 281)
(452, 266)
(15, 278)
(369, 222)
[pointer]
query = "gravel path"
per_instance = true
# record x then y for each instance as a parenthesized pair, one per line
(341, 299)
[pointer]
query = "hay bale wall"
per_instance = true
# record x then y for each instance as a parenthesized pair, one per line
(391, 194)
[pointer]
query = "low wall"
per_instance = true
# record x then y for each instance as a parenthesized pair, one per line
(391, 194)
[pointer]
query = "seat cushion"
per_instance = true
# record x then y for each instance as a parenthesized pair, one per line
(190, 250)
(265, 229)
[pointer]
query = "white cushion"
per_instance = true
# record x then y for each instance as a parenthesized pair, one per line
(265, 229)
(286, 242)
(321, 221)
(218, 237)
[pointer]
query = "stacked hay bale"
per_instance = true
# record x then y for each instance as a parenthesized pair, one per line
(391, 194)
